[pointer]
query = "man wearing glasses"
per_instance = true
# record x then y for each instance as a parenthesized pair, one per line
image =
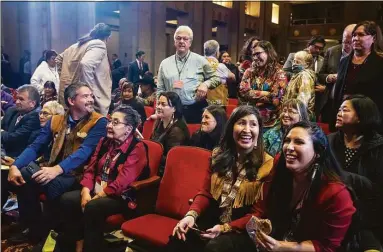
(70, 139)
(188, 74)
(315, 46)
(328, 74)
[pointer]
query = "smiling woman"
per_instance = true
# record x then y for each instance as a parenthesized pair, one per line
(239, 170)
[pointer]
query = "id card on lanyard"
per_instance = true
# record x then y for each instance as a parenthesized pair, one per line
(105, 173)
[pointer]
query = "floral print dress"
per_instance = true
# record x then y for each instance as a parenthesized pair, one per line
(264, 92)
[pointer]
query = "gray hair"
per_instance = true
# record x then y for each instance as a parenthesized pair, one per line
(54, 107)
(71, 91)
(33, 93)
(184, 28)
(211, 48)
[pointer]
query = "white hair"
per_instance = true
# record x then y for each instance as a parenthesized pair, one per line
(211, 48)
(54, 107)
(184, 28)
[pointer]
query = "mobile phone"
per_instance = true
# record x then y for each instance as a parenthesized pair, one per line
(197, 230)
(33, 167)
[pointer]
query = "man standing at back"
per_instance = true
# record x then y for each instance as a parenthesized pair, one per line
(188, 74)
(328, 73)
(137, 69)
(87, 61)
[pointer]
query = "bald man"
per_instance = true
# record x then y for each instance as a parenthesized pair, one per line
(328, 74)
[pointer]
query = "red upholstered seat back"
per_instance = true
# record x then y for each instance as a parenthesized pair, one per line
(149, 111)
(233, 101)
(325, 127)
(155, 154)
(193, 128)
(229, 109)
(185, 171)
(148, 128)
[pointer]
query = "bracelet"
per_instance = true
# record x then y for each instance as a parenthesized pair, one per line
(225, 228)
(193, 214)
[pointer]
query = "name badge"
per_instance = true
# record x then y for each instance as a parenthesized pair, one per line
(178, 84)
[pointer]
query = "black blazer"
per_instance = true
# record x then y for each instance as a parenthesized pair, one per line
(369, 80)
(15, 138)
(330, 63)
(135, 72)
(117, 64)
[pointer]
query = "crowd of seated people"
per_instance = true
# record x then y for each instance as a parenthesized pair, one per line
(269, 157)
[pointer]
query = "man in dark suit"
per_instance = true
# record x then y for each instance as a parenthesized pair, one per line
(116, 61)
(315, 46)
(328, 74)
(137, 69)
(20, 121)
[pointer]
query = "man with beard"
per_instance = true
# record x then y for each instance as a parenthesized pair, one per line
(188, 74)
(71, 139)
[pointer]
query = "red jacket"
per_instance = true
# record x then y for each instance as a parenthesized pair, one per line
(128, 172)
(326, 220)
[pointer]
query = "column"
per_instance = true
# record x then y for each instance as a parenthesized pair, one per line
(86, 17)
(128, 31)
(159, 35)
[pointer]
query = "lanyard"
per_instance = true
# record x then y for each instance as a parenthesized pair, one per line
(106, 166)
(182, 68)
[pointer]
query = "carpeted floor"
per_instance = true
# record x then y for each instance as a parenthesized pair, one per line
(8, 222)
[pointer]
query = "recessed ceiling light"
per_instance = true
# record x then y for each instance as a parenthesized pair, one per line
(117, 11)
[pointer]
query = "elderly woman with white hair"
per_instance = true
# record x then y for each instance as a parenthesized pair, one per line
(188, 74)
(219, 95)
(301, 85)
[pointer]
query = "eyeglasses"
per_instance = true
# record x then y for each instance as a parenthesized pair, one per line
(290, 112)
(257, 54)
(44, 113)
(115, 122)
(319, 48)
(186, 39)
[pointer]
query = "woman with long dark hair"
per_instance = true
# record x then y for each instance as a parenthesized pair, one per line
(170, 129)
(239, 170)
(49, 94)
(359, 149)
(262, 85)
(309, 206)
(212, 126)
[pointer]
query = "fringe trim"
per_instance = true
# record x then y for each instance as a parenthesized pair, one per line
(248, 194)
(249, 191)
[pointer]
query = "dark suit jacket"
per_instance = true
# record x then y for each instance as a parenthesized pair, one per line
(330, 66)
(330, 63)
(15, 138)
(135, 72)
(117, 64)
(369, 80)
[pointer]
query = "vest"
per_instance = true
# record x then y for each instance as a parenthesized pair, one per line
(218, 95)
(65, 144)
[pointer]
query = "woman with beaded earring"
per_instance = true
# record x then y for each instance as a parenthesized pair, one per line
(240, 169)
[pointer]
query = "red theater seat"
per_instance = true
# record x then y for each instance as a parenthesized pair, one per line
(149, 111)
(193, 128)
(229, 110)
(233, 101)
(148, 128)
(183, 178)
(146, 190)
(325, 127)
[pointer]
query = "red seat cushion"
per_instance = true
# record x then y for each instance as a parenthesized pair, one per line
(115, 220)
(161, 227)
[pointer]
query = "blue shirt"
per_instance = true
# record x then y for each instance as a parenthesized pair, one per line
(76, 159)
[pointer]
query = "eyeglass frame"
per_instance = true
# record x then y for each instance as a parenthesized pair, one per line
(114, 124)
(257, 54)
